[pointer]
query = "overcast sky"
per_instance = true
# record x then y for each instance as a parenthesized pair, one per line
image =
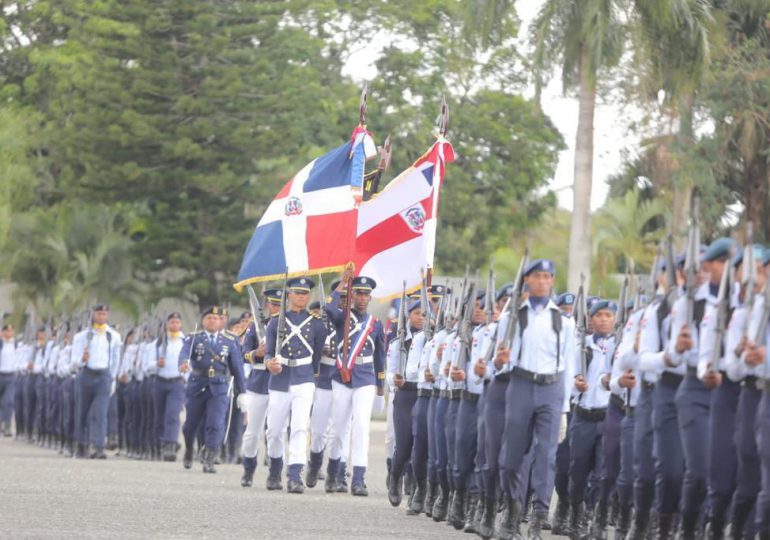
(610, 133)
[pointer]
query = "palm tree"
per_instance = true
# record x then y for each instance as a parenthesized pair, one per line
(583, 38)
(624, 231)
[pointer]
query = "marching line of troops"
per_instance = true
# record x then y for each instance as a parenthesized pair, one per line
(668, 413)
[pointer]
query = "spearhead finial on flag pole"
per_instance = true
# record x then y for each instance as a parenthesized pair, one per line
(442, 121)
(362, 106)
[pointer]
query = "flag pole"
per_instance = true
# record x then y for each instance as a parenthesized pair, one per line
(348, 284)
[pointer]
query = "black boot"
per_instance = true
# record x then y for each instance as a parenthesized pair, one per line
(715, 530)
(430, 498)
(486, 527)
(665, 527)
(561, 519)
(456, 516)
(82, 452)
(394, 490)
(639, 527)
(599, 523)
(440, 506)
(208, 461)
(689, 524)
(471, 519)
(509, 523)
(249, 466)
(273, 482)
(294, 479)
(536, 525)
(188, 457)
(330, 485)
(417, 502)
(575, 522)
(313, 466)
(408, 481)
(623, 522)
(740, 515)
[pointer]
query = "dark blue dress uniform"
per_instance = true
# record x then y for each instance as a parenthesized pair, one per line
(353, 400)
(291, 390)
(212, 358)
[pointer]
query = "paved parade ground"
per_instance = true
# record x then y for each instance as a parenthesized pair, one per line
(44, 495)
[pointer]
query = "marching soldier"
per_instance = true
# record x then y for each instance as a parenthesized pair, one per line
(209, 356)
(748, 472)
(169, 386)
(8, 366)
(292, 357)
(539, 367)
(353, 399)
(97, 349)
(256, 387)
(403, 401)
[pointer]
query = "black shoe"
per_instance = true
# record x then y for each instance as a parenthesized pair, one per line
(665, 527)
(330, 485)
(456, 516)
(394, 490)
(311, 478)
(508, 528)
(574, 530)
(273, 482)
(81, 452)
(536, 525)
(599, 523)
(247, 479)
(188, 457)
(486, 527)
(208, 461)
(408, 483)
(295, 486)
(623, 522)
(471, 519)
(440, 506)
(430, 498)
(417, 501)
(359, 490)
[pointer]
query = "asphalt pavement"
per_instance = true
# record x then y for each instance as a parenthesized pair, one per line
(44, 495)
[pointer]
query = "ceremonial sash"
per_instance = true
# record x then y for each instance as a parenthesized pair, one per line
(358, 344)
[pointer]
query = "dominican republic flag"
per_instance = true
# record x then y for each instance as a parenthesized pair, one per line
(310, 225)
(396, 233)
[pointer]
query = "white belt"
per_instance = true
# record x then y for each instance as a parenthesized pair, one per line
(295, 362)
(327, 361)
(360, 360)
(259, 367)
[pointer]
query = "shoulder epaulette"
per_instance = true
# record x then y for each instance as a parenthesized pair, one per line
(229, 334)
(274, 315)
(316, 315)
(199, 332)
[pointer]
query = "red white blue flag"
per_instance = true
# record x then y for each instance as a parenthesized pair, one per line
(310, 226)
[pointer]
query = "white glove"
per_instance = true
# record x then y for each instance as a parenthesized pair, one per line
(379, 404)
(241, 402)
(113, 387)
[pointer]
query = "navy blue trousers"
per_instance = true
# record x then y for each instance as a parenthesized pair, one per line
(123, 391)
(481, 451)
(667, 449)
(135, 438)
(561, 482)
(7, 396)
(20, 404)
(68, 410)
(440, 435)
(625, 481)
(149, 433)
(532, 416)
(585, 445)
(93, 394)
(466, 435)
(723, 461)
(749, 472)
(53, 410)
(450, 429)
(431, 420)
(693, 403)
(403, 402)
(169, 400)
(644, 463)
(30, 404)
(420, 439)
(610, 469)
(494, 427)
(207, 410)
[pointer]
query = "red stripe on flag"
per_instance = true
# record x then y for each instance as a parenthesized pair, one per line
(285, 190)
(329, 242)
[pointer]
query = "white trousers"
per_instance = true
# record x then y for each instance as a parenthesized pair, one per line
(390, 431)
(353, 406)
(256, 410)
(294, 404)
(321, 426)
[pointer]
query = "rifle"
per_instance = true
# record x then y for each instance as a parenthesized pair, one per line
(401, 333)
(489, 300)
(425, 308)
(620, 321)
(671, 291)
(256, 310)
(322, 300)
(444, 308)
(749, 278)
(372, 180)
(513, 305)
(280, 331)
(163, 336)
(692, 262)
(759, 337)
(463, 289)
(581, 324)
(464, 334)
(722, 307)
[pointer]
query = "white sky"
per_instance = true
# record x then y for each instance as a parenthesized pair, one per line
(610, 133)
